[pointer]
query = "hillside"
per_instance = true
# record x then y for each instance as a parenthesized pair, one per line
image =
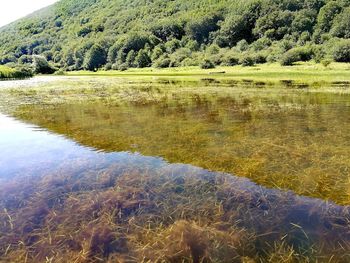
(90, 34)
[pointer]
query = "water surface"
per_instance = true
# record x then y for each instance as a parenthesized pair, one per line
(249, 173)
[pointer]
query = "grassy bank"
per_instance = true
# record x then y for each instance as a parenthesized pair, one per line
(7, 73)
(302, 72)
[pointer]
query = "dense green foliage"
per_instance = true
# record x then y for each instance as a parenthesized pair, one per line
(342, 52)
(92, 34)
(41, 65)
(18, 73)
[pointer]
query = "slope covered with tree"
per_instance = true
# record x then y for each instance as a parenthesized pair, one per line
(118, 34)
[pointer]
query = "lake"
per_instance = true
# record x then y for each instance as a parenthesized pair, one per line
(174, 170)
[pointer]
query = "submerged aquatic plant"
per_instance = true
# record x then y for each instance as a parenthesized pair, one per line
(110, 207)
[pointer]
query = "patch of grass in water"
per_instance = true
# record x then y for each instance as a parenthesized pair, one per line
(307, 72)
(174, 214)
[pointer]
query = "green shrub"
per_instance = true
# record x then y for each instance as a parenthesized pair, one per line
(22, 72)
(326, 62)
(142, 59)
(341, 24)
(115, 66)
(216, 59)
(25, 59)
(230, 60)
(213, 49)
(341, 51)
(242, 45)
(108, 66)
(41, 65)
(15, 73)
(162, 62)
(130, 59)
(60, 72)
(207, 64)
(123, 67)
(261, 43)
(95, 58)
(260, 58)
(187, 62)
(192, 45)
(157, 52)
(318, 53)
(289, 58)
(246, 61)
(179, 56)
(295, 55)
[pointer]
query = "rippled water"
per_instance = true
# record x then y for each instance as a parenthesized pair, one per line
(269, 165)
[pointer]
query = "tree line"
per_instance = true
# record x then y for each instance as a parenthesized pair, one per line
(94, 34)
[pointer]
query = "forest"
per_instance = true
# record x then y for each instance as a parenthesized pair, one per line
(105, 34)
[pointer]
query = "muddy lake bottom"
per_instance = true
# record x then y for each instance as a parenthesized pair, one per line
(103, 169)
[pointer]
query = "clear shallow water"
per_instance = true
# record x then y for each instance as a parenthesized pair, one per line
(33, 158)
(111, 179)
(276, 137)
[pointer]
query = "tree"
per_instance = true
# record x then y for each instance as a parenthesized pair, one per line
(326, 16)
(112, 54)
(295, 55)
(95, 58)
(172, 45)
(162, 62)
(142, 59)
(314, 4)
(79, 58)
(233, 29)
(40, 65)
(25, 59)
(199, 29)
(84, 31)
(192, 45)
(274, 25)
(168, 29)
(341, 51)
(304, 21)
(341, 25)
(246, 61)
(207, 64)
(133, 41)
(162, 28)
(69, 58)
(157, 52)
(130, 59)
(242, 45)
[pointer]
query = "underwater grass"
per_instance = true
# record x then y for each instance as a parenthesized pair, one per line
(172, 214)
(177, 213)
(217, 126)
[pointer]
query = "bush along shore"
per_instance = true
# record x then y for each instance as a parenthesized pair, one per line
(7, 73)
(39, 65)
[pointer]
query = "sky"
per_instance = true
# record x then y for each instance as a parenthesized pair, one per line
(14, 9)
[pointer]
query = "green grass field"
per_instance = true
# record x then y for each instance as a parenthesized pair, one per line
(302, 72)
